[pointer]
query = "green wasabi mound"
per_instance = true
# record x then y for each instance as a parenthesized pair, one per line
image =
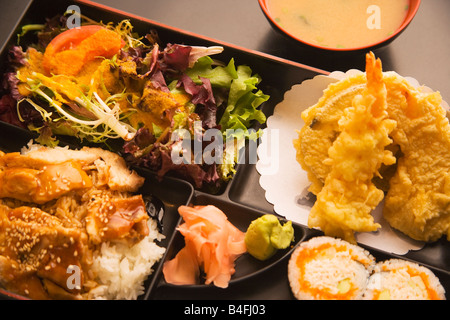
(266, 235)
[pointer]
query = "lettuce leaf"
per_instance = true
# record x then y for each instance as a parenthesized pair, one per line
(243, 98)
(219, 76)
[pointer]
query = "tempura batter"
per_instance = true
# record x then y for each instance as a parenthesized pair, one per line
(334, 150)
(345, 202)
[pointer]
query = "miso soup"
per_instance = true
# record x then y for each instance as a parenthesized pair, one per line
(339, 23)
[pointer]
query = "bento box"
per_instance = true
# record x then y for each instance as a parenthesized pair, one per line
(241, 198)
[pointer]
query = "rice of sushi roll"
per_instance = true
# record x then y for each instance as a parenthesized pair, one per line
(325, 268)
(397, 279)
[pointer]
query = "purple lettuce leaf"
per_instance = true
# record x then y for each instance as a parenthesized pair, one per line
(199, 175)
(16, 59)
(8, 111)
(175, 58)
(201, 95)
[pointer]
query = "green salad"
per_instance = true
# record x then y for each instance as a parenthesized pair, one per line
(172, 107)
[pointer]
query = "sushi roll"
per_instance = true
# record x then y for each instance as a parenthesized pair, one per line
(325, 268)
(397, 279)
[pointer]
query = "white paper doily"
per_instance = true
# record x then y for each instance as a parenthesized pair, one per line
(286, 183)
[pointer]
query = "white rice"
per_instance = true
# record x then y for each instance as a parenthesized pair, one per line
(332, 273)
(121, 271)
(397, 279)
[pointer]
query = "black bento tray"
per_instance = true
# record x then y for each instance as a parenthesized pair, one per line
(242, 199)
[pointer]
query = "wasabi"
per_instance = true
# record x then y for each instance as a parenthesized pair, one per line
(266, 235)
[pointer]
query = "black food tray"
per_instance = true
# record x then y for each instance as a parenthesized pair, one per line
(242, 199)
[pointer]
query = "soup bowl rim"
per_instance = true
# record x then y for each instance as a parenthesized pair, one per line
(413, 8)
